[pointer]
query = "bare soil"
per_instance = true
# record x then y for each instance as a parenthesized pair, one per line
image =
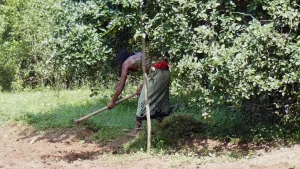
(22, 147)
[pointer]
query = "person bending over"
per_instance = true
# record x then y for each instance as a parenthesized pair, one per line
(158, 86)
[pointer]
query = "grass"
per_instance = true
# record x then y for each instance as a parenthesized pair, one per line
(49, 109)
(45, 110)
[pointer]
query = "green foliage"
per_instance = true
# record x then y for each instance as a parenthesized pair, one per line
(24, 27)
(7, 73)
(238, 51)
(228, 125)
(242, 56)
(87, 34)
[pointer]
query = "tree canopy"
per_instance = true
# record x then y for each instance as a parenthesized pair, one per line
(242, 54)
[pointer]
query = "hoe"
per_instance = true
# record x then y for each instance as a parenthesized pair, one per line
(101, 110)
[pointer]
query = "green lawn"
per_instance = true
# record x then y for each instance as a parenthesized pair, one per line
(45, 110)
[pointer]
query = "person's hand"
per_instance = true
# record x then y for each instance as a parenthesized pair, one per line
(110, 105)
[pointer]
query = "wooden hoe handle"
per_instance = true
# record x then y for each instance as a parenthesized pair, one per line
(101, 110)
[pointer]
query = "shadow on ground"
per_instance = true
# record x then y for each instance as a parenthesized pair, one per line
(107, 130)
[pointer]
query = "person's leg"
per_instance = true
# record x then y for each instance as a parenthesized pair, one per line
(138, 127)
(138, 124)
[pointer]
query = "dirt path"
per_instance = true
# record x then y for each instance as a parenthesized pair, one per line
(21, 147)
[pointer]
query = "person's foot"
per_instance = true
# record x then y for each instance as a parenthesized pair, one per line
(134, 133)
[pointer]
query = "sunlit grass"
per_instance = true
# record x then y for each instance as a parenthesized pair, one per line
(58, 109)
(49, 109)
(14, 105)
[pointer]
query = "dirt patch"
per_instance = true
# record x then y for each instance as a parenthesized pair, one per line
(71, 156)
(23, 147)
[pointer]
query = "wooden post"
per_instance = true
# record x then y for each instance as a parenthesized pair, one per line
(146, 85)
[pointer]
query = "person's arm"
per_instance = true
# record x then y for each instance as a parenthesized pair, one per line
(119, 87)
